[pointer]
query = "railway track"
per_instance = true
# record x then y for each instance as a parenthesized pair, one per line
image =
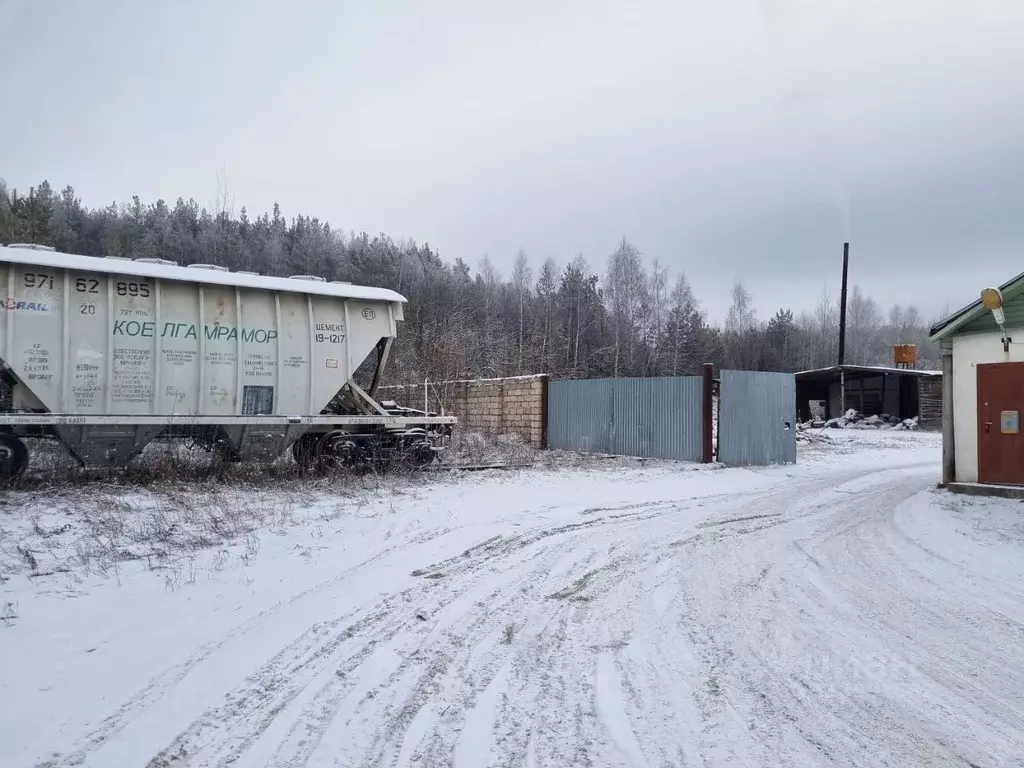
(478, 467)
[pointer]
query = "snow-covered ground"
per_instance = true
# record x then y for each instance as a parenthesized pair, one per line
(839, 612)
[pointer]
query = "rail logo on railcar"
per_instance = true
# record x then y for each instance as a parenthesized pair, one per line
(369, 314)
(32, 306)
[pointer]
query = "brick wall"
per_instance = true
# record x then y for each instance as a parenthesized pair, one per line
(495, 406)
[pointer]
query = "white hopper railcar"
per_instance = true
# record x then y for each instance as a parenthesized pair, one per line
(107, 354)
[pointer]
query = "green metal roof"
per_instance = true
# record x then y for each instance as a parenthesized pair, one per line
(1011, 289)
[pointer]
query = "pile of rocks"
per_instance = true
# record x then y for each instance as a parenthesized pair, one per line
(811, 432)
(855, 420)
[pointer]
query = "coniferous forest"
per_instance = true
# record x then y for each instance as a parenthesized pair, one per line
(614, 314)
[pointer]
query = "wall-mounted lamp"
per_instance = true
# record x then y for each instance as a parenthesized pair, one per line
(992, 298)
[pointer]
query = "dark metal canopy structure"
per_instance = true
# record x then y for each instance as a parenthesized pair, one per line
(869, 389)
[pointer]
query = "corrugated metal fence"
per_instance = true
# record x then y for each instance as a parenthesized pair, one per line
(656, 417)
(757, 418)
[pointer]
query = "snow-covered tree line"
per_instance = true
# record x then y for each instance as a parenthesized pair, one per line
(626, 317)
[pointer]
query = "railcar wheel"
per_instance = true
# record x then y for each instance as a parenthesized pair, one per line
(226, 452)
(418, 453)
(338, 447)
(13, 458)
(305, 450)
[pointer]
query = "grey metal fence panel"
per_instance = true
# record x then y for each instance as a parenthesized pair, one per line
(757, 418)
(580, 415)
(654, 418)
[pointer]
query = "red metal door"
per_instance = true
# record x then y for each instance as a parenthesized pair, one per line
(1000, 412)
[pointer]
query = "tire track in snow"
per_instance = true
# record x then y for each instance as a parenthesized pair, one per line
(649, 634)
(612, 710)
(566, 682)
(157, 687)
(530, 587)
(249, 710)
(252, 708)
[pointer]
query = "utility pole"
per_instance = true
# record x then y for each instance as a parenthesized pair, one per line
(842, 328)
(31, 215)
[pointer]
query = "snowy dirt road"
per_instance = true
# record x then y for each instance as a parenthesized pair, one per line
(841, 612)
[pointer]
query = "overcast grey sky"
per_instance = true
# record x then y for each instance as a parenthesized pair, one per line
(728, 138)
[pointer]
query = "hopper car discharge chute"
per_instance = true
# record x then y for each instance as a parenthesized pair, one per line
(107, 354)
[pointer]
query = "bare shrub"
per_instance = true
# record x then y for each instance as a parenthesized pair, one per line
(162, 526)
(252, 548)
(171, 503)
(478, 449)
(166, 463)
(162, 461)
(29, 558)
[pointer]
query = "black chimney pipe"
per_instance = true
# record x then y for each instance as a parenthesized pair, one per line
(842, 305)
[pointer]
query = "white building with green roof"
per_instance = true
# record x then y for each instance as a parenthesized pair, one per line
(983, 390)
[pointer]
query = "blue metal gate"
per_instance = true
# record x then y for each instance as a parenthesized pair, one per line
(757, 418)
(655, 417)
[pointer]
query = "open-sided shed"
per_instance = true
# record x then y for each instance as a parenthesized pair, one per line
(871, 390)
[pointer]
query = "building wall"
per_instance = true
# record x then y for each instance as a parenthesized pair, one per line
(494, 406)
(968, 351)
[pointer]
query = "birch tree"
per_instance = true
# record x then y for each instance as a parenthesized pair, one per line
(627, 299)
(740, 336)
(521, 279)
